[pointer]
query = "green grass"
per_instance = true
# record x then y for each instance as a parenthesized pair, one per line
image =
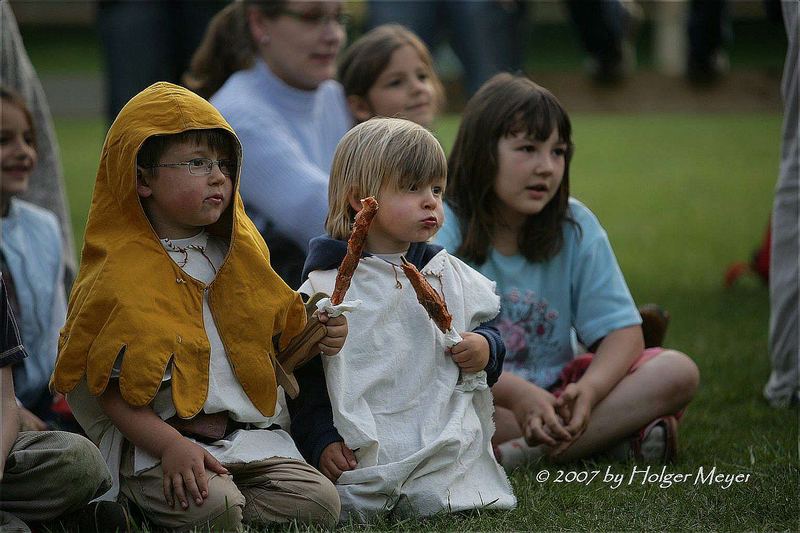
(80, 141)
(757, 42)
(63, 50)
(681, 197)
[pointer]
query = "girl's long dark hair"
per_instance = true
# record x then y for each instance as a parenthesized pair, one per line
(505, 105)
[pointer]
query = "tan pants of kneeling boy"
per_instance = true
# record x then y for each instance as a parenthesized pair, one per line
(275, 490)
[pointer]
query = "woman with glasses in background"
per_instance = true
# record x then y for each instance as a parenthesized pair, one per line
(268, 67)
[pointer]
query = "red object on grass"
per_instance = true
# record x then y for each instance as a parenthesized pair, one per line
(758, 265)
(761, 256)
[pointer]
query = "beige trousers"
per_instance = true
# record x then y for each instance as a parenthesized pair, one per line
(275, 490)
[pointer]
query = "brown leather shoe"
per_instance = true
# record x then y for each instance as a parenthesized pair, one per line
(654, 324)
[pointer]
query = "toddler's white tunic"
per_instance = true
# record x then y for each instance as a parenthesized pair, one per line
(422, 445)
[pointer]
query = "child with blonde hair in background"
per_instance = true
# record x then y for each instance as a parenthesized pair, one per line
(389, 72)
(389, 419)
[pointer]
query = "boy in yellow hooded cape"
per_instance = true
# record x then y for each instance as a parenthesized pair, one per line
(168, 351)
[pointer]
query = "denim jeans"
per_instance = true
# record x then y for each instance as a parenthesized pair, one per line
(483, 33)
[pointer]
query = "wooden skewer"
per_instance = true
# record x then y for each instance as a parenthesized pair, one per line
(355, 246)
(431, 300)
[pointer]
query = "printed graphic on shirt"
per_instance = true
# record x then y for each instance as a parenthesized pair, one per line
(527, 324)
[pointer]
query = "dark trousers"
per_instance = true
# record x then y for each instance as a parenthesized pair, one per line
(146, 42)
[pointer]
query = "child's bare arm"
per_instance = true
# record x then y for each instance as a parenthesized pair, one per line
(29, 421)
(336, 333)
(611, 362)
(9, 421)
(335, 459)
(472, 353)
(182, 461)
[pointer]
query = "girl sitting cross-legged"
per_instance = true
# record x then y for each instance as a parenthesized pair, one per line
(510, 215)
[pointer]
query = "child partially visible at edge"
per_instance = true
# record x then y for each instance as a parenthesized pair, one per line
(510, 216)
(167, 354)
(388, 420)
(32, 262)
(47, 478)
(388, 72)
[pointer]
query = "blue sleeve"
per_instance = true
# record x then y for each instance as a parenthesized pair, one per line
(58, 306)
(279, 183)
(449, 236)
(601, 301)
(497, 352)
(312, 416)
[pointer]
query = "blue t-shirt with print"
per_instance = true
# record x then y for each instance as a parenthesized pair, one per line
(580, 290)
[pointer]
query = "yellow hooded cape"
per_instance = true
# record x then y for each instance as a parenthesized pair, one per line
(129, 294)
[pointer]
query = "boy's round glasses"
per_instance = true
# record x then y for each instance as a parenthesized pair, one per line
(317, 18)
(203, 166)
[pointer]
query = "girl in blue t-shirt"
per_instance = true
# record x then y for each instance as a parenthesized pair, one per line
(511, 217)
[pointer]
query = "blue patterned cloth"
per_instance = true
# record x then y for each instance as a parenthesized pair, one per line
(580, 291)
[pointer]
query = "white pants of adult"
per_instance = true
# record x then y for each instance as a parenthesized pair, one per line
(783, 386)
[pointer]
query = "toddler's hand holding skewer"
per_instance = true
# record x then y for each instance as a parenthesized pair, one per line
(472, 353)
(336, 333)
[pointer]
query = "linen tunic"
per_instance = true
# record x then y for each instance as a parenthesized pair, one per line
(422, 445)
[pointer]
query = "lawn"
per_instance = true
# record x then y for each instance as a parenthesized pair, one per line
(681, 196)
